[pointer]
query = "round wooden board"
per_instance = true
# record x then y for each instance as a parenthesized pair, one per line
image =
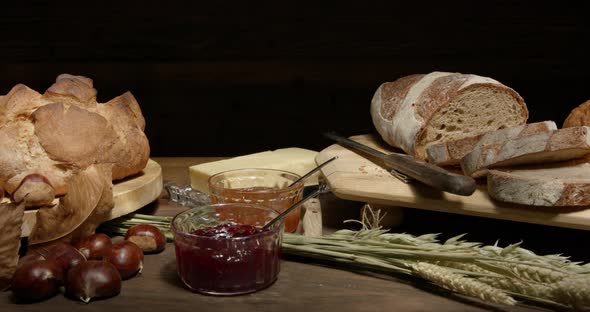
(129, 194)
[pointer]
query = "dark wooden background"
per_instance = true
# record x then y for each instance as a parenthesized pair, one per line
(234, 77)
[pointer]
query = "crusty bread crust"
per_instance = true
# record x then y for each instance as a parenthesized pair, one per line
(451, 152)
(559, 184)
(510, 147)
(403, 110)
(65, 129)
(579, 116)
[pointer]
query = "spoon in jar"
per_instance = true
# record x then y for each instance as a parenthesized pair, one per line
(321, 189)
(312, 171)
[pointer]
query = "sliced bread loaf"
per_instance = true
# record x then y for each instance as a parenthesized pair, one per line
(558, 184)
(451, 152)
(417, 110)
(544, 147)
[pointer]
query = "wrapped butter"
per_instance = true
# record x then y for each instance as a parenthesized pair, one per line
(293, 159)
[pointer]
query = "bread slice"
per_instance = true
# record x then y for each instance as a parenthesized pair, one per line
(451, 152)
(418, 110)
(559, 184)
(545, 147)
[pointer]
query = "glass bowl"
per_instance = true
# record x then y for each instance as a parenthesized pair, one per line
(222, 265)
(266, 187)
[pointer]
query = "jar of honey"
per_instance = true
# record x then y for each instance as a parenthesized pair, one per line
(265, 187)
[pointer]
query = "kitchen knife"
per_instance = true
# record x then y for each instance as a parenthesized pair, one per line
(424, 172)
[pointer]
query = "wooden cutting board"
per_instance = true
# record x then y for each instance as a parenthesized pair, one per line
(129, 194)
(354, 177)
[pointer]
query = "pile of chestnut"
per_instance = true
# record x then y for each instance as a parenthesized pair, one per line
(91, 268)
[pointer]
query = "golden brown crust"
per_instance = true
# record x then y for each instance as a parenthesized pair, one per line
(394, 93)
(85, 191)
(407, 112)
(126, 104)
(73, 135)
(11, 219)
(19, 102)
(579, 116)
(103, 208)
(72, 90)
(130, 152)
(66, 130)
(12, 161)
(35, 190)
(574, 194)
(438, 94)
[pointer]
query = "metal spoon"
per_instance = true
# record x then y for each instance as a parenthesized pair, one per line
(312, 171)
(322, 189)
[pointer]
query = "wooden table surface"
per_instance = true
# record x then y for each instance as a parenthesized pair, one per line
(301, 284)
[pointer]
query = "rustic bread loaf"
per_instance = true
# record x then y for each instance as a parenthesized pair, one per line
(512, 147)
(451, 152)
(579, 116)
(415, 111)
(65, 130)
(557, 184)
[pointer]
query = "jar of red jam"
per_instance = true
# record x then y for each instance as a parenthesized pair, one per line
(220, 249)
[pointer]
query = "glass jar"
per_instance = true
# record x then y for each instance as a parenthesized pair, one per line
(266, 187)
(222, 265)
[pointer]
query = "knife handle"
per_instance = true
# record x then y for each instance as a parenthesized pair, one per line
(430, 174)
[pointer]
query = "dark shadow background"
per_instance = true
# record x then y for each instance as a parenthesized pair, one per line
(224, 78)
(234, 77)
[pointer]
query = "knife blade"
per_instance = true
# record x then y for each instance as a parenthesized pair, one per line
(424, 172)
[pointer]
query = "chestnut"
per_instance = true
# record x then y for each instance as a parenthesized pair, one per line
(31, 256)
(95, 246)
(93, 279)
(36, 280)
(148, 237)
(126, 257)
(65, 254)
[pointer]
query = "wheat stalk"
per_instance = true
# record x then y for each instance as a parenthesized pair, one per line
(541, 273)
(445, 278)
(517, 286)
(471, 269)
(573, 291)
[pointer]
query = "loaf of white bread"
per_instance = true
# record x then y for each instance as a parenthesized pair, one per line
(415, 111)
(474, 121)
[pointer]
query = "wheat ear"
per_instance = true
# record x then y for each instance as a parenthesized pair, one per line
(445, 278)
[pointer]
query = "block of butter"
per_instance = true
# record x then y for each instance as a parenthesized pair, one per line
(293, 159)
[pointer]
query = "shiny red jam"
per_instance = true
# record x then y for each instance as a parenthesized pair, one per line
(228, 259)
(227, 230)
